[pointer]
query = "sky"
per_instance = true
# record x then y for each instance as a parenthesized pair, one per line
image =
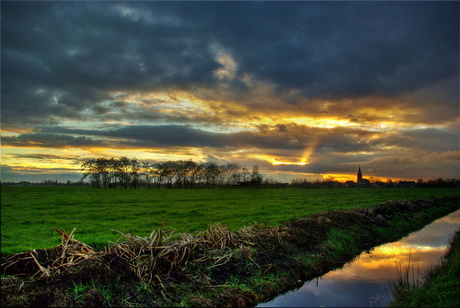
(302, 89)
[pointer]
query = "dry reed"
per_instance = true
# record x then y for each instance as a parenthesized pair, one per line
(45, 262)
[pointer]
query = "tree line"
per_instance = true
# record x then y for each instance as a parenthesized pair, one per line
(130, 173)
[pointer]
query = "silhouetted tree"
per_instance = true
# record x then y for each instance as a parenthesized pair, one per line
(245, 174)
(92, 171)
(256, 177)
(130, 173)
(232, 173)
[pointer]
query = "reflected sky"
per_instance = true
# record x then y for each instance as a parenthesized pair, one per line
(362, 283)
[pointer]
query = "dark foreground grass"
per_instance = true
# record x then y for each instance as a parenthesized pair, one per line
(216, 268)
(441, 287)
(29, 213)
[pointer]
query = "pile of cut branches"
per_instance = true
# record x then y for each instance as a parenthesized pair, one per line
(46, 262)
(159, 253)
(168, 250)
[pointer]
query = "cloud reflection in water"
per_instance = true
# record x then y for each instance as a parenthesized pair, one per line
(362, 282)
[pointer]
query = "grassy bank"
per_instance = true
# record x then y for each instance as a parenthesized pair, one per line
(441, 287)
(218, 267)
(29, 213)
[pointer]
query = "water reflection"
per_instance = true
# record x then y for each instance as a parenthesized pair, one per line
(362, 283)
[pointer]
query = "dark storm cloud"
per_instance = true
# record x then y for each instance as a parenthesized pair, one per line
(427, 139)
(45, 140)
(42, 156)
(168, 135)
(340, 49)
(125, 137)
(60, 58)
(328, 141)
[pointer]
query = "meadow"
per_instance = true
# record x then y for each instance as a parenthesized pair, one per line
(28, 214)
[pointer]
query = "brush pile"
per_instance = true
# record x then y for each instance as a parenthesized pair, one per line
(164, 251)
(147, 257)
(41, 263)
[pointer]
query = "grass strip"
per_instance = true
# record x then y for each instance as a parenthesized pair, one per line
(441, 285)
(216, 267)
(28, 213)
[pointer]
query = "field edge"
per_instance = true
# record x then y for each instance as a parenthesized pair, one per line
(251, 267)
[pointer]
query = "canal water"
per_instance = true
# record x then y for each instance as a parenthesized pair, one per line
(364, 281)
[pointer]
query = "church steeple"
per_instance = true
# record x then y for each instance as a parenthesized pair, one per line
(360, 175)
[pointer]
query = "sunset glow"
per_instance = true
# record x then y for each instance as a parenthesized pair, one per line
(301, 89)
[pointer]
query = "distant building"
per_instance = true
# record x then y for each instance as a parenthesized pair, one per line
(406, 184)
(379, 184)
(349, 184)
(360, 181)
(359, 176)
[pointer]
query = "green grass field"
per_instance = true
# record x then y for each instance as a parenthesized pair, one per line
(29, 213)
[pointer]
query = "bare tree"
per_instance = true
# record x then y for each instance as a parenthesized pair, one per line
(91, 170)
(130, 173)
(245, 174)
(256, 177)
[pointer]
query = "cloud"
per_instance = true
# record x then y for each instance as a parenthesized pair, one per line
(429, 139)
(125, 137)
(338, 83)
(342, 49)
(70, 56)
(168, 135)
(152, 136)
(42, 156)
(284, 138)
(38, 139)
(61, 58)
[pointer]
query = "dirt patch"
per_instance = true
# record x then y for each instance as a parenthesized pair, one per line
(213, 268)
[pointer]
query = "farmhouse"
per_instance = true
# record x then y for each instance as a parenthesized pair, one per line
(406, 184)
